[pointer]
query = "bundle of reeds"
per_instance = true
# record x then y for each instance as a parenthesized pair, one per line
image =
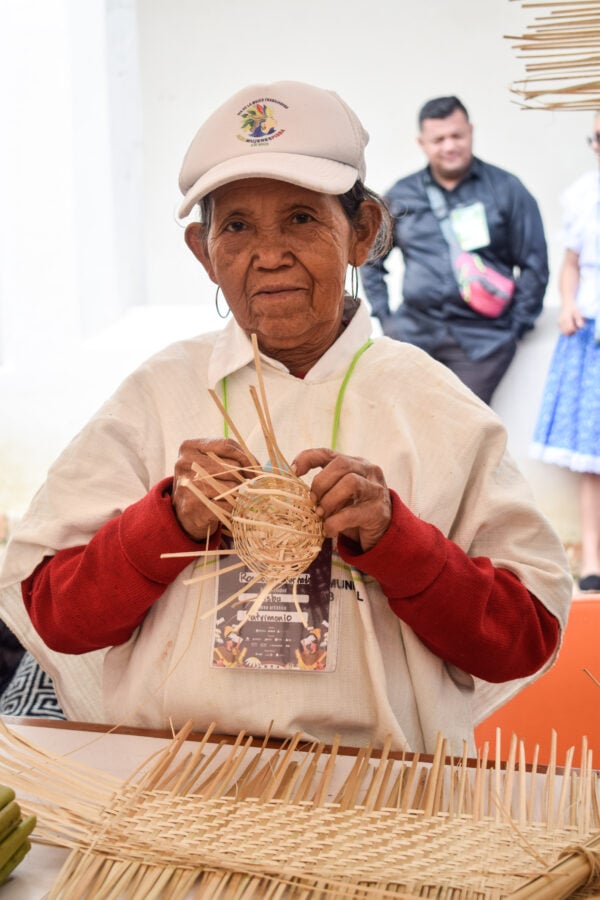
(240, 818)
(562, 53)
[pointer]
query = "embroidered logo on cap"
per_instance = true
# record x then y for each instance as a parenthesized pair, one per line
(259, 123)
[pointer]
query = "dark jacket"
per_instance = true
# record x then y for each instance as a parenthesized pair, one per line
(432, 307)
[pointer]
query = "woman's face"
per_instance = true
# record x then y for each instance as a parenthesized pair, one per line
(280, 254)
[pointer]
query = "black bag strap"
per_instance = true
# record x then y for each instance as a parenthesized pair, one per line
(439, 206)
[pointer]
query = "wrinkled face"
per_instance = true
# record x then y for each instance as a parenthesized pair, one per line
(448, 145)
(280, 254)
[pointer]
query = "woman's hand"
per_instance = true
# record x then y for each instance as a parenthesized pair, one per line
(349, 493)
(196, 519)
(570, 319)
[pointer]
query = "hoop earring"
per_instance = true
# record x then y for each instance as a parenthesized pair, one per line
(354, 282)
(219, 313)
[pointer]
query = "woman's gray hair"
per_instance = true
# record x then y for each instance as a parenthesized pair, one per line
(350, 203)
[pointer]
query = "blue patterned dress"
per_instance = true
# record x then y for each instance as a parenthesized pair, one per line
(567, 432)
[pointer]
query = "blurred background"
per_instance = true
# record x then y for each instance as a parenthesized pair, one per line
(100, 99)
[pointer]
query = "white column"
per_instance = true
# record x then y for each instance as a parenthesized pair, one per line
(68, 250)
(37, 228)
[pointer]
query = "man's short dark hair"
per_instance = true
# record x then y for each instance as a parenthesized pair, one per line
(441, 108)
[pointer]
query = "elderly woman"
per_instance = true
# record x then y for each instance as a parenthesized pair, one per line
(439, 588)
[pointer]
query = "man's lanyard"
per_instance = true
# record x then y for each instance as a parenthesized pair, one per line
(340, 398)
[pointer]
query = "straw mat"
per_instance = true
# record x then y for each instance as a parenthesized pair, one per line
(240, 818)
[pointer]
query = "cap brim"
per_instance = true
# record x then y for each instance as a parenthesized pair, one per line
(323, 175)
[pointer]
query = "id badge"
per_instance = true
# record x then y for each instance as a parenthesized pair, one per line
(295, 629)
(469, 224)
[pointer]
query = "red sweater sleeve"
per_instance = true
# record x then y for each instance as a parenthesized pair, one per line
(477, 617)
(94, 596)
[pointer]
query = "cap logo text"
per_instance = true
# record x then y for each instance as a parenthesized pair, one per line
(259, 125)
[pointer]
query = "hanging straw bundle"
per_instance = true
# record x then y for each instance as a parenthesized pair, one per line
(216, 818)
(562, 50)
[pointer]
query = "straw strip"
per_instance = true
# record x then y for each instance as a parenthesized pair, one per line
(215, 510)
(233, 428)
(262, 408)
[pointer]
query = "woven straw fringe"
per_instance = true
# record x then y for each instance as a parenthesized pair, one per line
(239, 818)
(562, 50)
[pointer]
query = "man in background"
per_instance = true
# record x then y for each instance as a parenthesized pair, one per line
(474, 251)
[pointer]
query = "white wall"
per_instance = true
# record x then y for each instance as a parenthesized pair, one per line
(385, 57)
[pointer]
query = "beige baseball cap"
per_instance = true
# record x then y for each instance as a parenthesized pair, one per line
(288, 130)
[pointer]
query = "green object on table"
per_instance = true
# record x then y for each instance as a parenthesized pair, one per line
(14, 833)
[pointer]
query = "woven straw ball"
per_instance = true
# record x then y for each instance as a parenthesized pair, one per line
(276, 531)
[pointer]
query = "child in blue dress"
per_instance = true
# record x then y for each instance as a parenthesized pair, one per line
(568, 428)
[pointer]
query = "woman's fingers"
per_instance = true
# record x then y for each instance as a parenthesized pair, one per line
(350, 494)
(212, 468)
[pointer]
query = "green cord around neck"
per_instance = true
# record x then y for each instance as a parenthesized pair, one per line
(340, 398)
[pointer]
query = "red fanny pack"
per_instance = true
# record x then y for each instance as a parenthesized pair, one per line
(486, 290)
